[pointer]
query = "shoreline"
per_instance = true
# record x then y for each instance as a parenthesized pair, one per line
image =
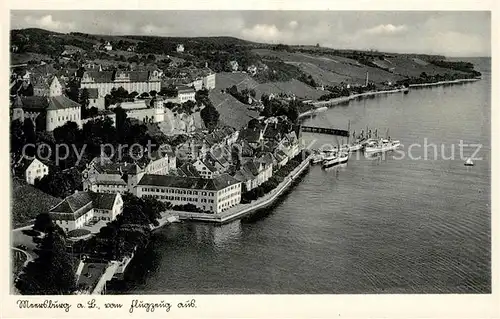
(321, 106)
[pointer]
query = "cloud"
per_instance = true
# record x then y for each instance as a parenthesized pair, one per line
(293, 24)
(386, 29)
(47, 22)
(262, 32)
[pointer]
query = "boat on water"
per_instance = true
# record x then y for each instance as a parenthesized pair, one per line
(383, 145)
(335, 158)
(469, 162)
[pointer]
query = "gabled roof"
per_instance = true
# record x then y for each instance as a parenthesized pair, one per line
(188, 169)
(250, 135)
(78, 204)
(61, 102)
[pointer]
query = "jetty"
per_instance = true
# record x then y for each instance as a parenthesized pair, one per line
(325, 130)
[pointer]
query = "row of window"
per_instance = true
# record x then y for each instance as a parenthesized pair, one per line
(176, 191)
(178, 198)
(68, 118)
(228, 196)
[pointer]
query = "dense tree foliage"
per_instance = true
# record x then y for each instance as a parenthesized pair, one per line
(53, 272)
(210, 116)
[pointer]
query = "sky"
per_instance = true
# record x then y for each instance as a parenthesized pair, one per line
(450, 33)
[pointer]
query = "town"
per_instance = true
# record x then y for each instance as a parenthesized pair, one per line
(216, 127)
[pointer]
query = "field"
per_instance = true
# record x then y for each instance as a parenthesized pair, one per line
(243, 80)
(232, 112)
(330, 69)
(27, 202)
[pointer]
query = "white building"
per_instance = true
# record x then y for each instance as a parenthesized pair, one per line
(48, 113)
(32, 169)
(209, 81)
(185, 94)
(138, 81)
(102, 175)
(253, 174)
(252, 69)
(180, 48)
(95, 100)
(108, 46)
(233, 65)
(214, 195)
(205, 169)
(77, 210)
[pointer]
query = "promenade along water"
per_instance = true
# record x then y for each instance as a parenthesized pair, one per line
(373, 226)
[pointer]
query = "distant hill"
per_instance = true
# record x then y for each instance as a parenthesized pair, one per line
(290, 69)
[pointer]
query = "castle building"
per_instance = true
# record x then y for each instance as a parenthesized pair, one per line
(138, 81)
(47, 112)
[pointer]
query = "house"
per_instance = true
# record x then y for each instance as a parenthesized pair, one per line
(253, 174)
(233, 65)
(139, 81)
(214, 195)
(180, 48)
(82, 208)
(47, 112)
(185, 93)
(104, 176)
(94, 99)
(252, 69)
(205, 168)
(209, 80)
(32, 169)
(108, 46)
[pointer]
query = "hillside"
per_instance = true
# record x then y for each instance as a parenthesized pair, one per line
(232, 112)
(27, 202)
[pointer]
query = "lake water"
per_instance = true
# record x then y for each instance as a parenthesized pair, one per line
(379, 225)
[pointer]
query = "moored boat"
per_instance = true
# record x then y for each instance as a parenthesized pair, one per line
(383, 145)
(335, 158)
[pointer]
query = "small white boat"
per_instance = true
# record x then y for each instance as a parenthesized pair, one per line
(317, 158)
(383, 145)
(469, 162)
(335, 158)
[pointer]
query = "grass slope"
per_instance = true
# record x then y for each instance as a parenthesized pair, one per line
(27, 202)
(232, 112)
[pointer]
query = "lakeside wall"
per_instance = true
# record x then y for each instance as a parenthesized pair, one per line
(245, 209)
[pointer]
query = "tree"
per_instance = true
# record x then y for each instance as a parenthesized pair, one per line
(17, 139)
(210, 116)
(53, 272)
(144, 95)
(29, 131)
(133, 95)
(43, 223)
(121, 116)
(152, 93)
(84, 98)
